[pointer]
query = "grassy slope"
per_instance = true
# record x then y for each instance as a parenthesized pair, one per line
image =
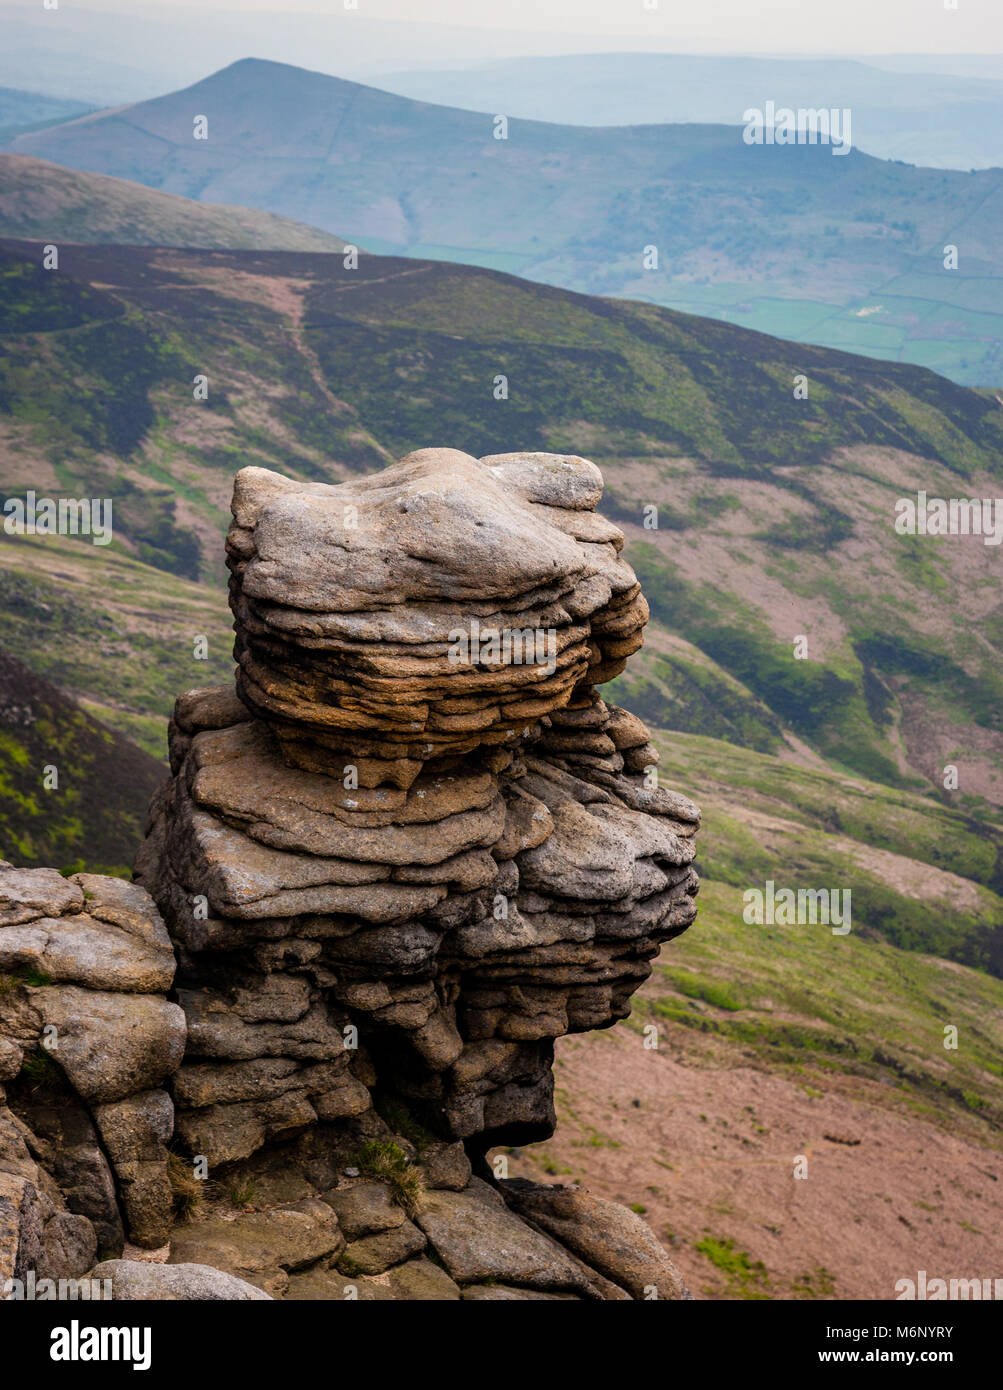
(119, 635)
(89, 814)
(844, 251)
(923, 876)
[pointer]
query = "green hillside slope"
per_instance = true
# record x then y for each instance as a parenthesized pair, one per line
(798, 996)
(73, 793)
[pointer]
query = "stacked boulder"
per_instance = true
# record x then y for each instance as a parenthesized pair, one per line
(412, 848)
(87, 1037)
(349, 601)
(419, 846)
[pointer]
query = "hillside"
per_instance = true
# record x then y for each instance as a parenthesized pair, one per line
(844, 251)
(775, 515)
(21, 111)
(44, 201)
(775, 518)
(782, 1041)
(94, 806)
(925, 117)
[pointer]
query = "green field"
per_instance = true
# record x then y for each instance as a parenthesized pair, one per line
(890, 323)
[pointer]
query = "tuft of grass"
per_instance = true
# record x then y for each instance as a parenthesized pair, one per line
(17, 978)
(186, 1188)
(242, 1194)
(746, 1278)
(39, 1068)
(387, 1162)
(710, 991)
(402, 1122)
(820, 1283)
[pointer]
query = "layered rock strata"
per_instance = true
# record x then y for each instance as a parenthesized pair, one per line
(402, 825)
(346, 600)
(407, 852)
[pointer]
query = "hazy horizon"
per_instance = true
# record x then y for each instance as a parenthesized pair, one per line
(124, 47)
(801, 27)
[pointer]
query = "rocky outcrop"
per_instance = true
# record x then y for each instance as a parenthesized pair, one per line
(410, 849)
(419, 821)
(346, 600)
(87, 1038)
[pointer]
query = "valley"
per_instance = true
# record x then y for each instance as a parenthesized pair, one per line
(851, 253)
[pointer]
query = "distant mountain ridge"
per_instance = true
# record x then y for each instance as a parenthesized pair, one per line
(925, 118)
(21, 110)
(845, 251)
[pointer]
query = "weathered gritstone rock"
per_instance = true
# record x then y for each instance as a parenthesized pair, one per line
(87, 1038)
(413, 848)
(134, 1282)
(609, 1238)
(348, 600)
(461, 929)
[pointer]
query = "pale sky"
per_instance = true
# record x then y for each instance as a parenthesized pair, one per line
(733, 26)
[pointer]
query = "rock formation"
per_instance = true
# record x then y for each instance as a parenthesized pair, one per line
(87, 1038)
(409, 850)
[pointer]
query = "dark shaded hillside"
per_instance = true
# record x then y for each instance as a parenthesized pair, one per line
(93, 818)
(844, 250)
(660, 378)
